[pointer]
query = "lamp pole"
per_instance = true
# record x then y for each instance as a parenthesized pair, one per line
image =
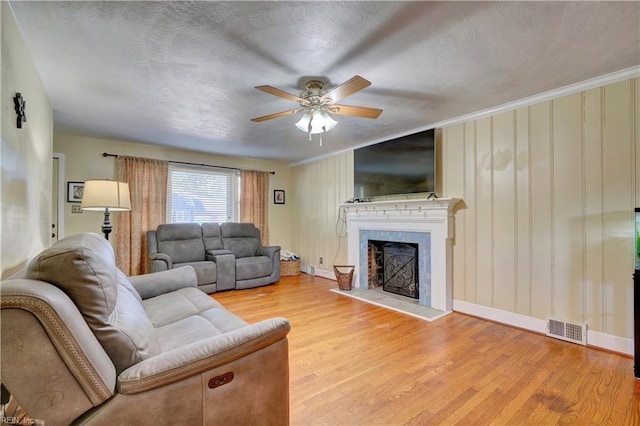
(106, 224)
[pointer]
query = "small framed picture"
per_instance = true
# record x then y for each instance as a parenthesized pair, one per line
(278, 196)
(74, 192)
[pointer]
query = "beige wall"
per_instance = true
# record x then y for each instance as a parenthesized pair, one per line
(318, 189)
(26, 154)
(547, 221)
(84, 161)
(549, 193)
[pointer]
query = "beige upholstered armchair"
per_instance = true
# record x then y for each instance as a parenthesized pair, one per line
(84, 344)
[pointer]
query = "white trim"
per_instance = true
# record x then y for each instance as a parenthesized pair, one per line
(498, 315)
(610, 342)
(307, 269)
(325, 274)
(594, 338)
(569, 89)
(61, 193)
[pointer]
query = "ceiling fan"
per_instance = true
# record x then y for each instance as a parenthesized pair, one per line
(318, 103)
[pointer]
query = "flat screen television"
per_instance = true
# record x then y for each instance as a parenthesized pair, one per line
(404, 165)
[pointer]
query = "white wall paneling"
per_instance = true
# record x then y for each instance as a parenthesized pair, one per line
(547, 224)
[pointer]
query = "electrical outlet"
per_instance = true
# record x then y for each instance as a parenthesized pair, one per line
(321, 260)
(76, 209)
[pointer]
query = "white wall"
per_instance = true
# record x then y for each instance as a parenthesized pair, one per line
(26, 154)
(318, 189)
(84, 161)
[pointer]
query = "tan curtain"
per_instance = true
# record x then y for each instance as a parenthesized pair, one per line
(254, 201)
(148, 187)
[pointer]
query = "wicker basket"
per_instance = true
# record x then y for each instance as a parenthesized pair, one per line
(344, 278)
(289, 268)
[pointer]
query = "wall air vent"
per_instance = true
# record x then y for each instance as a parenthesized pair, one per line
(576, 333)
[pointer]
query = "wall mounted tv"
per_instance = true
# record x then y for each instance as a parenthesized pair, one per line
(405, 165)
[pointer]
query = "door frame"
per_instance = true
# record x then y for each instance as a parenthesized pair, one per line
(61, 193)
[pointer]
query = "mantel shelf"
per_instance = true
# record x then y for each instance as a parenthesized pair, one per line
(401, 205)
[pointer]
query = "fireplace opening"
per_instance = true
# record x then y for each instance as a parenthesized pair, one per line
(394, 266)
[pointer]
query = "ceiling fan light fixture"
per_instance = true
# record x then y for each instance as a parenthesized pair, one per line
(316, 122)
(303, 123)
(328, 122)
(316, 103)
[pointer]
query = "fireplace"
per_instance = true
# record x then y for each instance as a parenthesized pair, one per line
(425, 224)
(400, 269)
(371, 247)
(394, 266)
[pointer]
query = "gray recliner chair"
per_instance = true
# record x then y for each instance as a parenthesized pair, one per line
(256, 264)
(81, 343)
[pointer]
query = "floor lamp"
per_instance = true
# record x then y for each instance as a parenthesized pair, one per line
(108, 196)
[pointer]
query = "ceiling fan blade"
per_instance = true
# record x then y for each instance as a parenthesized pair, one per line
(280, 93)
(349, 87)
(356, 111)
(276, 115)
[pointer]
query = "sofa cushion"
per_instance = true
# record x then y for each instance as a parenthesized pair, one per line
(206, 271)
(253, 267)
(83, 266)
(181, 241)
(242, 247)
(187, 316)
(195, 328)
(242, 239)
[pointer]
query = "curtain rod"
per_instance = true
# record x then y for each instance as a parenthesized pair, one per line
(106, 154)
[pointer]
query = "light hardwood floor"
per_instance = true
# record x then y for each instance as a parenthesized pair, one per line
(352, 363)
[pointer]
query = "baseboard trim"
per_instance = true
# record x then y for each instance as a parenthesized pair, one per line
(307, 269)
(498, 315)
(610, 342)
(594, 338)
(312, 270)
(326, 274)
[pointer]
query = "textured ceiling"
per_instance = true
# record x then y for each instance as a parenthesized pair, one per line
(182, 74)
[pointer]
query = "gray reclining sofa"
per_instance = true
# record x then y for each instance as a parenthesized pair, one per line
(225, 256)
(81, 343)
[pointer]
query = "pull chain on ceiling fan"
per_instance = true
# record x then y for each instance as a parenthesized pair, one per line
(317, 103)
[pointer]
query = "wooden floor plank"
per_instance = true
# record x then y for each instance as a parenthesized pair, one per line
(352, 363)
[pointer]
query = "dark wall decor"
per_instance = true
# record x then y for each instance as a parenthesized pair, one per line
(21, 109)
(278, 196)
(74, 192)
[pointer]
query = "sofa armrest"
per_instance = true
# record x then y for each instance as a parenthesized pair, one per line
(160, 262)
(196, 358)
(226, 268)
(269, 251)
(157, 283)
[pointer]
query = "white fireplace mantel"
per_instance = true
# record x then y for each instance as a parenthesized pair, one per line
(434, 217)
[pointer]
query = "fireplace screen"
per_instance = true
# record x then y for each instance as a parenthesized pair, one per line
(400, 269)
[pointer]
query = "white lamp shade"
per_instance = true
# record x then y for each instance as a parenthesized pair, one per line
(320, 122)
(327, 123)
(105, 194)
(303, 123)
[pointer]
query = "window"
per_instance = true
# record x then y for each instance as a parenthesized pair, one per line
(202, 194)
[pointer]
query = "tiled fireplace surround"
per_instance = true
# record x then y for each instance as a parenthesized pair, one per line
(428, 223)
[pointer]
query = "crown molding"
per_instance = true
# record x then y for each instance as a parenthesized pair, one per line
(569, 89)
